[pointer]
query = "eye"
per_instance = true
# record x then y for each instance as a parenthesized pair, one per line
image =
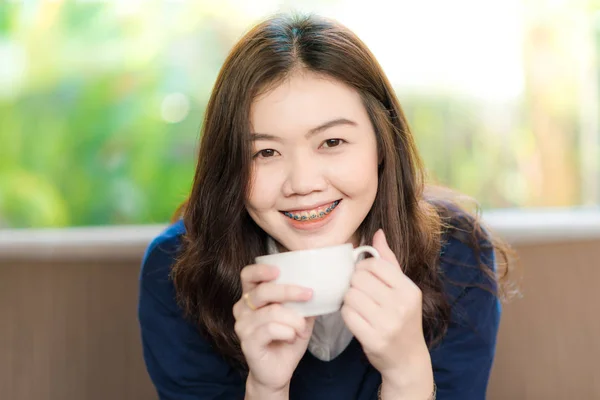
(266, 153)
(332, 143)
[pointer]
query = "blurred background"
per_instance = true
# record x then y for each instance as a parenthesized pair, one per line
(101, 102)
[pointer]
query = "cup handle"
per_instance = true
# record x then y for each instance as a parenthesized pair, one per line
(365, 249)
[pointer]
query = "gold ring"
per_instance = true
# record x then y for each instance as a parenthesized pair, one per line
(249, 302)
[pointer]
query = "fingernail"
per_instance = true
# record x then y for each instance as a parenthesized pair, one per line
(307, 293)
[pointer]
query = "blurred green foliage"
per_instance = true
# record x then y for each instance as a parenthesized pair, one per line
(100, 114)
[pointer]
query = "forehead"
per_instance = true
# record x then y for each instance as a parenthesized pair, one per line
(304, 101)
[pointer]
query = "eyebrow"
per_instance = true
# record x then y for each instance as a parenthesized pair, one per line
(311, 132)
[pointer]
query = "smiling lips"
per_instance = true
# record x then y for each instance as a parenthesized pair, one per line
(312, 214)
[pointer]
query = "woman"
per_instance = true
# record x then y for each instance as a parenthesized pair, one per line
(304, 145)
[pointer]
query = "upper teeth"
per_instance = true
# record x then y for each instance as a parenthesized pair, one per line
(312, 214)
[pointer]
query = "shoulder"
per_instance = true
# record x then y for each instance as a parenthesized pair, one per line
(162, 252)
(467, 257)
(168, 240)
(463, 358)
(155, 284)
(181, 362)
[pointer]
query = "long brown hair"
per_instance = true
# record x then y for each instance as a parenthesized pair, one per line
(221, 238)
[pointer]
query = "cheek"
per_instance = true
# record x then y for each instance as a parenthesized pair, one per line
(264, 189)
(356, 173)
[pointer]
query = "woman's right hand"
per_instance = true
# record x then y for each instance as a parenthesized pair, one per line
(273, 338)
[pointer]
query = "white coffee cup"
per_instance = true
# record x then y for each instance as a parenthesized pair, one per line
(327, 271)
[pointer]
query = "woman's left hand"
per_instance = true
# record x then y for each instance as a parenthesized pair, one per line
(383, 309)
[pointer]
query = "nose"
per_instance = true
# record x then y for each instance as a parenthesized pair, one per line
(304, 176)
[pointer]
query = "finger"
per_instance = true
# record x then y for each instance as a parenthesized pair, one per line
(372, 286)
(254, 274)
(359, 327)
(270, 292)
(272, 331)
(275, 313)
(363, 305)
(387, 273)
(381, 245)
(237, 308)
(310, 324)
(243, 305)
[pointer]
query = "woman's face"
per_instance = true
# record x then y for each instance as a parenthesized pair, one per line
(314, 172)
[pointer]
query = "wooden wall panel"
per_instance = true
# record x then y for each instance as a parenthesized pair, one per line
(549, 342)
(70, 329)
(70, 332)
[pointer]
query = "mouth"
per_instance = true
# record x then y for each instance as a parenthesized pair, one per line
(314, 214)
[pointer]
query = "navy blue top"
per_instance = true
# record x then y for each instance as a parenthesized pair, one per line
(184, 366)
